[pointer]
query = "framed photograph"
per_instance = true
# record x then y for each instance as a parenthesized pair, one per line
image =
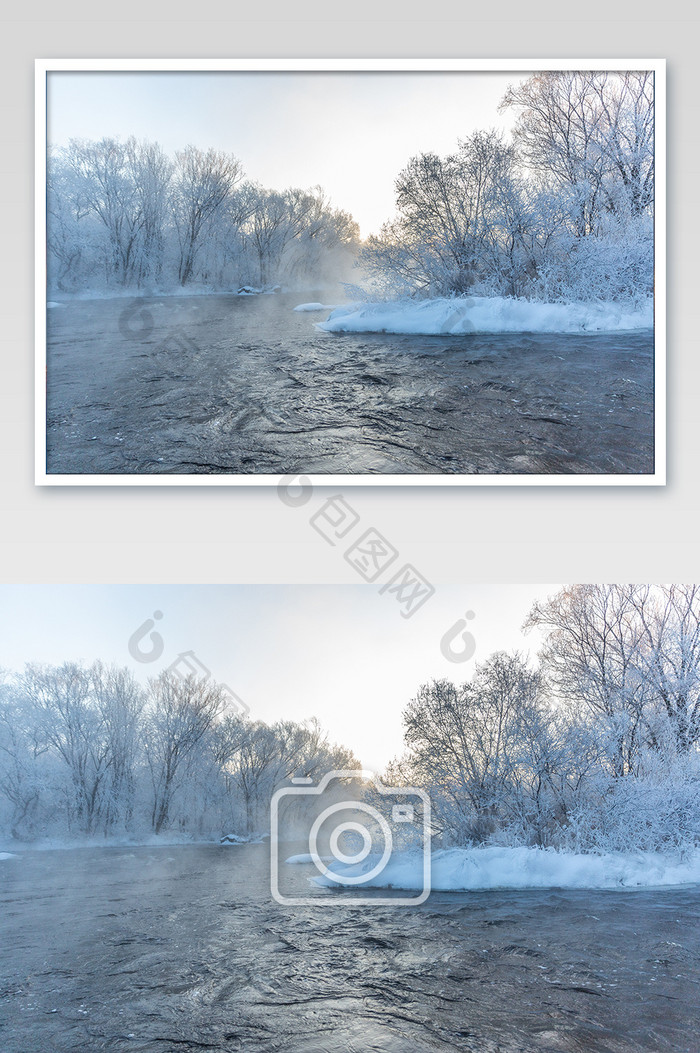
(434, 272)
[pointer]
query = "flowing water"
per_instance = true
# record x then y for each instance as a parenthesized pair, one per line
(167, 949)
(243, 384)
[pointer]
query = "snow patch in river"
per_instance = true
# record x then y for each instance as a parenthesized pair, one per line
(485, 314)
(471, 869)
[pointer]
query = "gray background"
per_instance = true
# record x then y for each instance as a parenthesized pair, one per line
(494, 534)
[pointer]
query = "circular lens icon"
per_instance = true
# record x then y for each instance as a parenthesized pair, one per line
(346, 828)
(350, 827)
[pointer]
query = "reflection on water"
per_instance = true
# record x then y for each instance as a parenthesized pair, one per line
(182, 948)
(228, 384)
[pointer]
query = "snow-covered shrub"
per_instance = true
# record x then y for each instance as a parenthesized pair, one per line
(656, 810)
(616, 264)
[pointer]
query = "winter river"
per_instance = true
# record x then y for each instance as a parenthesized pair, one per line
(158, 950)
(243, 384)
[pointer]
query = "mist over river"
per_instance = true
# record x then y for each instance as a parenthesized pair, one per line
(227, 384)
(181, 948)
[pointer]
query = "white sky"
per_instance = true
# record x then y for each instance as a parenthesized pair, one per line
(341, 653)
(352, 133)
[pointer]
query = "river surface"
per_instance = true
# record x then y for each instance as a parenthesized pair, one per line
(180, 949)
(236, 384)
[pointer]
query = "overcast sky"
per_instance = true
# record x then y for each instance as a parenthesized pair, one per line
(341, 653)
(352, 133)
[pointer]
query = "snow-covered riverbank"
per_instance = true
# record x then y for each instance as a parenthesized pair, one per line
(471, 869)
(482, 314)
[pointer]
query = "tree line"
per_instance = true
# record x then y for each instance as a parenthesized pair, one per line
(597, 746)
(86, 751)
(126, 215)
(564, 211)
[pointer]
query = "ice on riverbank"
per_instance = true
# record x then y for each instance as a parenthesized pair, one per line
(315, 307)
(482, 314)
(471, 869)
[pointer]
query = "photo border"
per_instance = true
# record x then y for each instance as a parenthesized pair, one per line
(45, 66)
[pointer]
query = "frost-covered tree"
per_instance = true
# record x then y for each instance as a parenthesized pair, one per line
(669, 659)
(597, 749)
(558, 134)
(119, 700)
(267, 756)
(152, 173)
(85, 750)
(563, 212)
(180, 713)
(591, 660)
(452, 219)
(123, 214)
(629, 655)
(107, 217)
(468, 743)
(296, 234)
(202, 184)
(23, 767)
(105, 188)
(85, 716)
(590, 133)
(68, 231)
(627, 106)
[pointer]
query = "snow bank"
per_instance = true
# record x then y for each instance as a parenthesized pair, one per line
(315, 307)
(234, 839)
(7, 855)
(52, 303)
(468, 869)
(253, 290)
(485, 314)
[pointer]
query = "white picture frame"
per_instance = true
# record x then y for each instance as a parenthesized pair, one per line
(44, 67)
